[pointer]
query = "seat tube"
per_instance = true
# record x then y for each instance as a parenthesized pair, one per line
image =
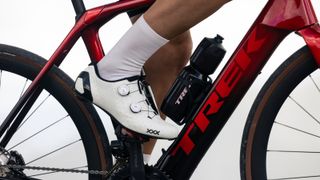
(79, 8)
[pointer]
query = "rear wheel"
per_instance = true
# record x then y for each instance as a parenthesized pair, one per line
(60, 131)
(281, 138)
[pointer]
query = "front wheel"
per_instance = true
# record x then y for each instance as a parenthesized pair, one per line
(59, 132)
(281, 139)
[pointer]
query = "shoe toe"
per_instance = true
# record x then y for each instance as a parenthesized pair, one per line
(157, 127)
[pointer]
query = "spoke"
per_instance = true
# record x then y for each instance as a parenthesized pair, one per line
(289, 151)
(56, 150)
(297, 177)
(59, 120)
(33, 111)
(52, 172)
(24, 87)
(314, 118)
(299, 130)
(315, 84)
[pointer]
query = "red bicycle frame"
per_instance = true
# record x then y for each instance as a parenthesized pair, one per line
(275, 22)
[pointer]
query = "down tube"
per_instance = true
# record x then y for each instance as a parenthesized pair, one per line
(186, 152)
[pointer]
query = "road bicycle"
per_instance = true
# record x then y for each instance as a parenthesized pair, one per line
(280, 111)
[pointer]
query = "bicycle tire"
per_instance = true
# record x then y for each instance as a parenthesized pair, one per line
(268, 107)
(60, 86)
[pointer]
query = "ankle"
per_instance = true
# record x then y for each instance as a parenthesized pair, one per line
(128, 56)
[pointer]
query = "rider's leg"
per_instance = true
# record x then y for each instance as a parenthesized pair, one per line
(164, 20)
(162, 69)
(170, 18)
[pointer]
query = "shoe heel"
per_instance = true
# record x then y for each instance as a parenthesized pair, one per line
(82, 86)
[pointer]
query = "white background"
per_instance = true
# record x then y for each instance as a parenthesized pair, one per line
(39, 26)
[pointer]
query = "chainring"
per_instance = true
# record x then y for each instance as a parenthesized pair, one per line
(152, 173)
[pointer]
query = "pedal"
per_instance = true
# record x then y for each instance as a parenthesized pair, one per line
(119, 150)
(128, 146)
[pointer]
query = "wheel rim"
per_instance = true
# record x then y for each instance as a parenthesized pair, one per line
(273, 147)
(294, 138)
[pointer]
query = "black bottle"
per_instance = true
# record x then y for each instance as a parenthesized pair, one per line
(193, 82)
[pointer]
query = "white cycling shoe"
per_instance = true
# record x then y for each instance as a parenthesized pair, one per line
(126, 100)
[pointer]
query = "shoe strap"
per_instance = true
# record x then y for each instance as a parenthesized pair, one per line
(147, 91)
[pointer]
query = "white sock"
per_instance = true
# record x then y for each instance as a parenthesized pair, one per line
(128, 56)
(146, 158)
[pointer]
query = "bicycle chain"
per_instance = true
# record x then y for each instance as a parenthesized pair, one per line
(95, 172)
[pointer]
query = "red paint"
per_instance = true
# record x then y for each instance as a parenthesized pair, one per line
(93, 44)
(86, 26)
(289, 14)
(93, 19)
(254, 43)
(188, 145)
(212, 106)
(222, 90)
(100, 15)
(312, 37)
(229, 80)
(277, 17)
(284, 14)
(89, 23)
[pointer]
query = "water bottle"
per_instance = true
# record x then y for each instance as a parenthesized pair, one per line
(193, 82)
